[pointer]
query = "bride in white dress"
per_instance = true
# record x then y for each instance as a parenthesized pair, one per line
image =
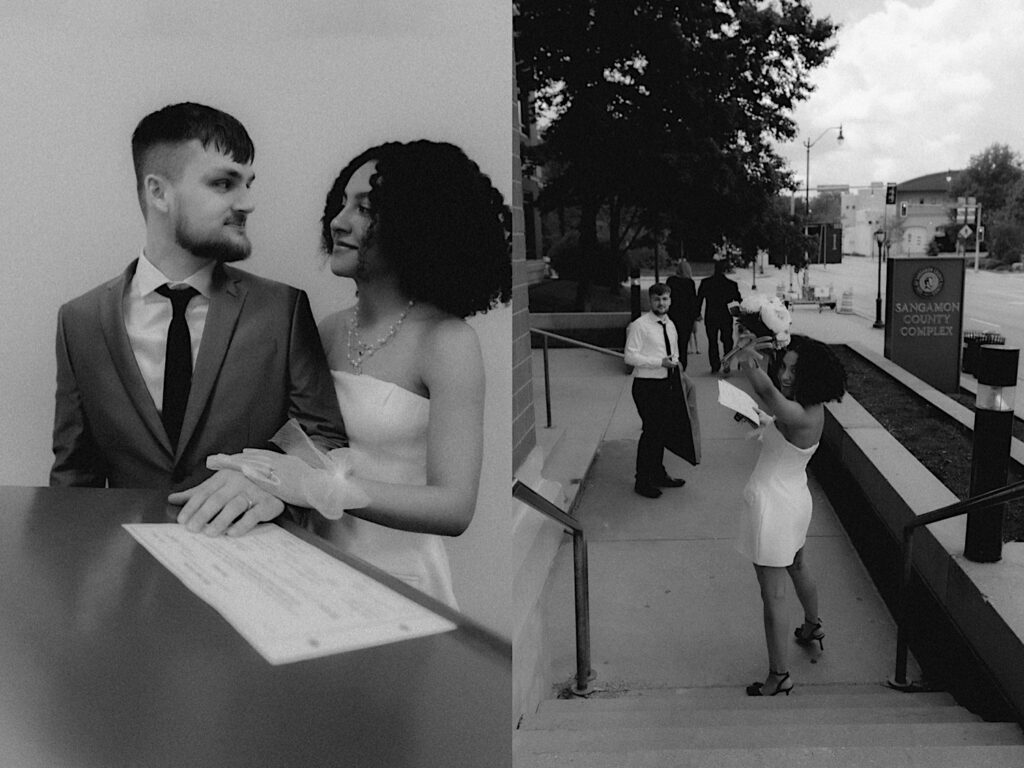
(424, 235)
(777, 509)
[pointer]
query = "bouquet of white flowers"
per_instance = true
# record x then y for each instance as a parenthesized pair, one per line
(764, 316)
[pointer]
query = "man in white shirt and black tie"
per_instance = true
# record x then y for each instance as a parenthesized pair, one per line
(652, 348)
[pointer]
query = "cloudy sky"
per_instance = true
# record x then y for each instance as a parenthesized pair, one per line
(919, 86)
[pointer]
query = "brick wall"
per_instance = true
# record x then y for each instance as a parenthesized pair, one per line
(524, 437)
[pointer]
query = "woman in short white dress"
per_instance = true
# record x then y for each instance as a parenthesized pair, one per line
(425, 236)
(777, 509)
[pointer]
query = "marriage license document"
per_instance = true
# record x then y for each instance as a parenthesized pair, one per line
(288, 599)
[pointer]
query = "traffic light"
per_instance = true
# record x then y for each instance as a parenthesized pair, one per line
(890, 194)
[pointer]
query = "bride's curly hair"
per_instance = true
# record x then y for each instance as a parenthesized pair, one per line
(438, 220)
(820, 376)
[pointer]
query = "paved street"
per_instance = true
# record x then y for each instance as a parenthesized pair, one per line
(993, 301)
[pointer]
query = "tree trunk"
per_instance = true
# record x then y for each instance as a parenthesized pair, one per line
(614, 224)
(588, 255)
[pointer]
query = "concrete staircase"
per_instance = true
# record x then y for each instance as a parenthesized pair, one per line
(818, 726)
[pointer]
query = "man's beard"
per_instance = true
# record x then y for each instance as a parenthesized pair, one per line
(221, 250)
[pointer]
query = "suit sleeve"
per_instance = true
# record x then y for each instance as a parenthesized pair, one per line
(691, 305)
(77, 460)
(312, 401)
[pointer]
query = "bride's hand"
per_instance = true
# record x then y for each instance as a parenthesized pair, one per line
(330, 491)
(279, 474)
(749, 348)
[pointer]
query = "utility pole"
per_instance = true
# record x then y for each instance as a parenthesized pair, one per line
(977, 238)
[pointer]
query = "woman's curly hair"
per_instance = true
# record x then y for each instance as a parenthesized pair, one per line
(438, 221)
(820, 376)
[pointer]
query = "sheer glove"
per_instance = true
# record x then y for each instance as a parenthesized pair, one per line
(330, 490)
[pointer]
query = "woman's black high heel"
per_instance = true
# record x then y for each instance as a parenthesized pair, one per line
(816, 635)
(757, 689)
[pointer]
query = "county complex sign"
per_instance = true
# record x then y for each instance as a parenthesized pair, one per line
(924, 324)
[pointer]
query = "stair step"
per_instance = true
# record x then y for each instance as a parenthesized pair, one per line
(800, 757)
(770, 736)
(734, 697)
(781, 713)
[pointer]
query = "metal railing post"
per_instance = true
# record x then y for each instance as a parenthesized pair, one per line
(547, 382)
(903, 611)
(581, 581)
(545, 335)
(982, 501)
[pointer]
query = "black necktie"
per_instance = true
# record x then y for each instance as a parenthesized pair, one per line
(668, 350)
(178, 362)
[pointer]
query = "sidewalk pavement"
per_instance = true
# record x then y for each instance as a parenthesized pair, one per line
(672, 604)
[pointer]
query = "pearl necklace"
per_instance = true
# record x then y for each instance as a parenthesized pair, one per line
(362, 351)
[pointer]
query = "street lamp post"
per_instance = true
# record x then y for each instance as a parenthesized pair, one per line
(807, 176)
(880, 239)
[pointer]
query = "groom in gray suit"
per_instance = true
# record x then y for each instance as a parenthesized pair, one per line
(183, 355)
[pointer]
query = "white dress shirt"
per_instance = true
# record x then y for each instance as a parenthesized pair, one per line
(147, 315)
(645, 345)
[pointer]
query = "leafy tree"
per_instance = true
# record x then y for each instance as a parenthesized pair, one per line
(827, 206)
(779, 232)
(1005, 231)
(665, 113)
(996, 178)
(1005, 238)
(990, 177)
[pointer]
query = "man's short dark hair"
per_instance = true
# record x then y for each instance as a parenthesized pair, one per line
(659, 289)
(180, 123)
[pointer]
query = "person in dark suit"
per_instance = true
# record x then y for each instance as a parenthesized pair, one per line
(148, 384)
(713, 297)
(683, 312)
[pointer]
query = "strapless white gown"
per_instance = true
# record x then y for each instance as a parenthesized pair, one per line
(777, 510)
(387, 432)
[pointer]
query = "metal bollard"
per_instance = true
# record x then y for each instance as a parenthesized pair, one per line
(990, 461)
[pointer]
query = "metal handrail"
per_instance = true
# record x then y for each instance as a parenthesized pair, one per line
(545, 335)
(581, 581)
(981, 501)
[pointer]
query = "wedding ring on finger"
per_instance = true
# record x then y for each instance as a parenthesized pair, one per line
(249, 503)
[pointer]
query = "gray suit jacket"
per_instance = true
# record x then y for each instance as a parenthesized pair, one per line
(259, 363)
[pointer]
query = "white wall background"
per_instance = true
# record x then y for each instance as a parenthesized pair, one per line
(314, 82)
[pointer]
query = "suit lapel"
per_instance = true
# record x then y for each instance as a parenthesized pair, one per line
(115, 336)
(227, 296)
